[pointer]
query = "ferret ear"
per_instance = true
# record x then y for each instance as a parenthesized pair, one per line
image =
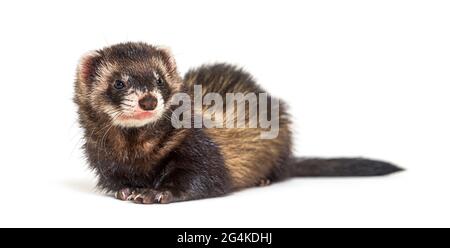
(87, 65)
(168, 58)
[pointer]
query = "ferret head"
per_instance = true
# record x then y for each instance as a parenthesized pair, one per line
(131, 83)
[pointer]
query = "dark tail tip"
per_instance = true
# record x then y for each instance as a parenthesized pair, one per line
(368, 167)
(343, 167)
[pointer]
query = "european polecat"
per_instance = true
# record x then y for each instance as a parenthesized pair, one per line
(127, 96)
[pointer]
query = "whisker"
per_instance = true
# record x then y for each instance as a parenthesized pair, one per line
(103, 140)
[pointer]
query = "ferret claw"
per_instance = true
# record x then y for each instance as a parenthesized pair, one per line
(264, 182)
(123, 194)
(144, 196)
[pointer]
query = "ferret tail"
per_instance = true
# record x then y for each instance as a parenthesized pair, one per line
(338, 167)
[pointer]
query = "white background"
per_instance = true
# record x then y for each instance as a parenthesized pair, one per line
(366, 78)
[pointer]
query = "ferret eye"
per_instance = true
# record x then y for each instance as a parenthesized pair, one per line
(119, 84)
(160, 82)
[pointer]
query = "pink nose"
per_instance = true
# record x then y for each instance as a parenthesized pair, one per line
(148, 102)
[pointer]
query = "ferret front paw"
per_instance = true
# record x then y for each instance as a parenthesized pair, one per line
(151, 196)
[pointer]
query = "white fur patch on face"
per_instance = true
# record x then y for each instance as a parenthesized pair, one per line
(131, 115)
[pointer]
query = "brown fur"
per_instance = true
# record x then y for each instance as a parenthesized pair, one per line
(248, 158)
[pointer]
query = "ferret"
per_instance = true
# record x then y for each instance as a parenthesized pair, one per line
(125, 97)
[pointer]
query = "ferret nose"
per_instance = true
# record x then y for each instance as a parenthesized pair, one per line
(148, 103)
